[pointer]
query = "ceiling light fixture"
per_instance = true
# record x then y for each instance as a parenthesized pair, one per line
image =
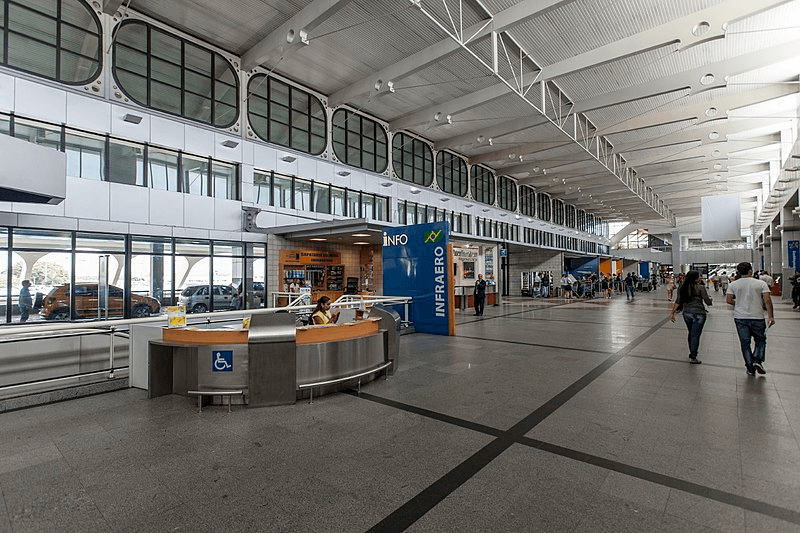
(414, 190)
(360, 242)
(317, 239)
(360, 234)
(707, 79)
(714, 135)
(133, 119)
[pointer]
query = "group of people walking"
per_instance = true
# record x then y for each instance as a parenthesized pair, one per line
(750, 298)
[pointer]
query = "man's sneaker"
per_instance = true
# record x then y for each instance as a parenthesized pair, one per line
(695, 361)
(751, 373)
(759, 368)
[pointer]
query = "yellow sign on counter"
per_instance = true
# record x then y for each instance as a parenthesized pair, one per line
(176, 315)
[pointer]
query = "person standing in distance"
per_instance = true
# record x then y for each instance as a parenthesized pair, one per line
(480, 295)
(25, 302)
(749, 298)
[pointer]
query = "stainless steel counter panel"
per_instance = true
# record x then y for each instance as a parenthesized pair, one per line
(330, 360)
(390, 321)
(276, 327)
(237, 379)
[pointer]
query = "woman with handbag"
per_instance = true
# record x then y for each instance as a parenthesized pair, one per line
(691, 296)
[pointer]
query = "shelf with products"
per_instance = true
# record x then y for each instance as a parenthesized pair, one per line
(335, 277)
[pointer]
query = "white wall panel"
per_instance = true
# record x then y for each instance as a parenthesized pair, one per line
(225, 235)
(199, 141)
(40, 101)
(264, 157)
(6, 93)
(307, 167)
(166, 208)
(87, 199)
(227, 215)
(247, 193)
(47, 222)
(103, 226)
(325, 171)
(6, 217)
(128, 130)
(88, 113)
(248, 149)
(150, 229)
(358, 180)
(190, 233)
(198, 211)
(39, 209)
(223, 152)
(167, 133)
(129, 203)
(282, 219)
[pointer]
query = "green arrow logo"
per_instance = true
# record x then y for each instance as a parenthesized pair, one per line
(433, 236)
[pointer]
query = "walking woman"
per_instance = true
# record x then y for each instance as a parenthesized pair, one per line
(691, 296)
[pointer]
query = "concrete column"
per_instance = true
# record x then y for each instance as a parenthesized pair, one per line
(766, 256)
(676, 252)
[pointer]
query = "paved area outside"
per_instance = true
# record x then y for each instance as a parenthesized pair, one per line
(538, 416)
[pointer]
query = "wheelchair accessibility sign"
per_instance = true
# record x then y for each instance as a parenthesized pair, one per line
(222, 361)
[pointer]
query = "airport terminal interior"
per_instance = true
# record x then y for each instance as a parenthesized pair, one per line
(305, 265)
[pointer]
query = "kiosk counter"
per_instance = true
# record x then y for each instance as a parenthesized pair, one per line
(274, 362)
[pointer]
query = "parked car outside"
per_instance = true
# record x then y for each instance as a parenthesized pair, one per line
(55, 306)
(196, 298)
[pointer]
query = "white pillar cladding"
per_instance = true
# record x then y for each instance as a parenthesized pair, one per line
(677, 247)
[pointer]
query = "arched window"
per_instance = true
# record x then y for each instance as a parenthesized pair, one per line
(58, 39)
(170, 74)
(451, 173)
(482, 185)
(507, 193)
(558, 212)
(581, 223)
(359, 141)
(543, 206)
(527, 200)
(569, 219)
(589, 223)
(412, 159)
(286, 115)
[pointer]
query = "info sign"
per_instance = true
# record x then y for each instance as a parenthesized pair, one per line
(417, 262)
(794, 254)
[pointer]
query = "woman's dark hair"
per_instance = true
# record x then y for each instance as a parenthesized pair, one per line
(322, 300)
(686, 292)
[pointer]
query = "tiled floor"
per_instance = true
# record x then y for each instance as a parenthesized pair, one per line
(538, 416)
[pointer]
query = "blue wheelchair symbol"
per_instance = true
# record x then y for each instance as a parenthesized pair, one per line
(222, 361)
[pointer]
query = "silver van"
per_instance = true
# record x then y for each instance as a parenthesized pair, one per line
(196, 298)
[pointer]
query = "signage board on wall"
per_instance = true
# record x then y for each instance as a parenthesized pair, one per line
(417, 262)
(794, 254)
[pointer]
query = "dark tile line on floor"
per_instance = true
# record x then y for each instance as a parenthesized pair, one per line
(715, 365)
(535, 344)
(405, 515)
(411, 511)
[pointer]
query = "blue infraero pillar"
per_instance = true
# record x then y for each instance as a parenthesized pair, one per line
(418, 262)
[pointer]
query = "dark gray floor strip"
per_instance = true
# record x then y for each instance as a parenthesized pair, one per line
(535, 345)
(721, 496)
(414, 509)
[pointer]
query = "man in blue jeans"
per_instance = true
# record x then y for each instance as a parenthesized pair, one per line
(749, 298)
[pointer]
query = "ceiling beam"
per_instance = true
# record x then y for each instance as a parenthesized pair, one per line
(292, 34)
(502, 21)
(110, 7)
(667, 34)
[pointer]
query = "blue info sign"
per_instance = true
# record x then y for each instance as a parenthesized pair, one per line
(222, 361)
(794, 254)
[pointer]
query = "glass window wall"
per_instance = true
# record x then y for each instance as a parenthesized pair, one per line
(507, 193)
(451, 174)
(483, 185)
(412, 159)
(162, 169)
(359, 141)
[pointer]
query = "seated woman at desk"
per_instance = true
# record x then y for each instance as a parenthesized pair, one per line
(322, 313)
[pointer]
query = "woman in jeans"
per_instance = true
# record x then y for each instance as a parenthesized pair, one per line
(691, 296)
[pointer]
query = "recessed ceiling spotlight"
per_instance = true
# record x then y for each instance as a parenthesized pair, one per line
(360, 242)
(360, 234)
(317, 239)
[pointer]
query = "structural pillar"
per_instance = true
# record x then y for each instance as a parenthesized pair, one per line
(790, 231)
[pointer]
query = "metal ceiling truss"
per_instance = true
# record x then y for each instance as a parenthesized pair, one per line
(556, 107)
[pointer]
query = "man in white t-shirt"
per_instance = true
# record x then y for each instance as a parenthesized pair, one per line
(750, 297)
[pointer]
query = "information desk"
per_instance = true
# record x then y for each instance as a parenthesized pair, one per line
(270, 362)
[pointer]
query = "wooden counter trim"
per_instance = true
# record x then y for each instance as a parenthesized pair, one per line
(205, 336)
(339, 332)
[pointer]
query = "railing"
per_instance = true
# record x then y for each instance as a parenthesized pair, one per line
(13, 335)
